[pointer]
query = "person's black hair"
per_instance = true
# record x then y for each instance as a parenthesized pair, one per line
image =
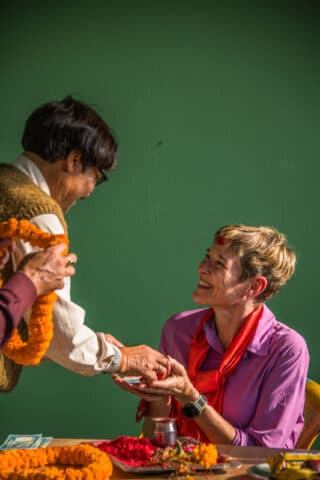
(56, 128)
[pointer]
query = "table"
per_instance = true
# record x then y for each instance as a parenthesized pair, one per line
(248, 456)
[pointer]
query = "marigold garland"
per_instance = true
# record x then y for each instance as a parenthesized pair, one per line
(81, 462)
(40, 326)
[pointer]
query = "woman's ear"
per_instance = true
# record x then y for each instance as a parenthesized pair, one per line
(259, 284)
(73, 162)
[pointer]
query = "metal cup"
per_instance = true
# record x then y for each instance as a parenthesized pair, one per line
(165, 432)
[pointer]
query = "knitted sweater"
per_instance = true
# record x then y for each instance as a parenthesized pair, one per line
(20, 198)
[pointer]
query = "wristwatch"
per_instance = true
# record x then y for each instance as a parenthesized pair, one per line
(193, 409)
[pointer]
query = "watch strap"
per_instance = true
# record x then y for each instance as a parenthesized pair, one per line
(194, 409)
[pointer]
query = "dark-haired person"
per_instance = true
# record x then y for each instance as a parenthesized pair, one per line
(38, 274)
(68, 151)
(239, 375)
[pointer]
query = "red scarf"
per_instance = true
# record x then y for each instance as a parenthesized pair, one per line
(211, 382)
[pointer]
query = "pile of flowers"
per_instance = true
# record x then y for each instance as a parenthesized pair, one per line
(133, 451)
(183, 458)
(141, 452)
(82, 462)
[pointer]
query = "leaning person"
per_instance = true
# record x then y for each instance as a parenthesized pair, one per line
(68, 151)
(239, 374)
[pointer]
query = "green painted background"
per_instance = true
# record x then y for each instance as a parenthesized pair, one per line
(216, 109)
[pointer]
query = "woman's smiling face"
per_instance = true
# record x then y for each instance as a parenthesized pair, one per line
(219, 279)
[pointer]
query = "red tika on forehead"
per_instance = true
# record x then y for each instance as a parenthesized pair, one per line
(220, 241)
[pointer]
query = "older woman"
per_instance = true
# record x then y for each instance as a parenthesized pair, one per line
(238, 375)
(68, 151)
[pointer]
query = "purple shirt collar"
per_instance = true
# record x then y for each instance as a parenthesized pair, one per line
(259, 345)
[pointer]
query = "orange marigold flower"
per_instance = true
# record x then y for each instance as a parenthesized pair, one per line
(205, 454)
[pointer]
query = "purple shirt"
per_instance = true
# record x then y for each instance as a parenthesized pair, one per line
(264, 396)
(16, 295)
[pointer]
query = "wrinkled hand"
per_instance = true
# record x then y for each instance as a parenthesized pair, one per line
(48, 268)
(143, 360)
(7, 244)
(111, 339)
(138, 390)
(176, 384)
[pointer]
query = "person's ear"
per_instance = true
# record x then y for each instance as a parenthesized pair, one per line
(258, 285)
(73, 162)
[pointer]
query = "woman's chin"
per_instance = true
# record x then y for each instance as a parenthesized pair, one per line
(199, 299)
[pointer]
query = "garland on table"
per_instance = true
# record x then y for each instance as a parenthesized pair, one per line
(81, 462)
(40, 326)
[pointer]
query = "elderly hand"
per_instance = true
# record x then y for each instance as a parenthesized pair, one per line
(48, 268)
(176, 384)
(143, 360)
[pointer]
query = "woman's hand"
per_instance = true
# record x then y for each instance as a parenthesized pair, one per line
(176, 384)
(138, 389)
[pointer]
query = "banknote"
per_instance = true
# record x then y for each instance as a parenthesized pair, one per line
(22, 441)
(45, 441)
(132, 380)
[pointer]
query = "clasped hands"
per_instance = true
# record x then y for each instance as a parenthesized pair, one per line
(165, 379)
(176, 384)
(141, 360)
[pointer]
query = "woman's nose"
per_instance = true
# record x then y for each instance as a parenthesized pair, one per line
(203, 266)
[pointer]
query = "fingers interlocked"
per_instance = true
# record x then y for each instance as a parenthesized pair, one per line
(162, 371)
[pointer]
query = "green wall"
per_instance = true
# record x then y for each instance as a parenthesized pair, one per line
(215, 106)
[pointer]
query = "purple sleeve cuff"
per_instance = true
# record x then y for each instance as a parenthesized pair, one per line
(22, 288)
(16, 295)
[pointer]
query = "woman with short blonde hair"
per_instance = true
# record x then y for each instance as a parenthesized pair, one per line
(238, 375)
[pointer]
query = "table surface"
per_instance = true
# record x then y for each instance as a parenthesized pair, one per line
(248, 456)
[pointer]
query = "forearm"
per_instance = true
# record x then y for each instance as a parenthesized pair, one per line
(215, 427)
(212, 424)
(74, 345)
(209, 421)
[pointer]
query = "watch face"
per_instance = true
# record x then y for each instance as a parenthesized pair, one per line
(190, 410)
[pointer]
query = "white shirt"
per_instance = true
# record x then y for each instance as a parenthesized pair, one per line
(74, 345)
